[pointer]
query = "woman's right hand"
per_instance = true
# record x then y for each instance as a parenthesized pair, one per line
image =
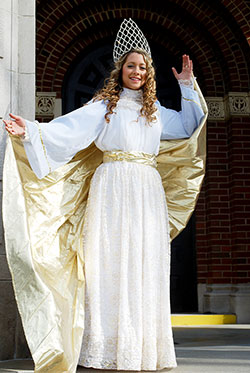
(16, 126)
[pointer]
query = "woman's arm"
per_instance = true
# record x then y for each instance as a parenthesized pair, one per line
(183, 123)
(177, 125)
(16, 126)
(50, 145)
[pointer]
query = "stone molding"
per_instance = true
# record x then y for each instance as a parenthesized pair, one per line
(233, 104)
(45, 104)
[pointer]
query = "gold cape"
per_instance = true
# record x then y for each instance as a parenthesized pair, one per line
(43, 223)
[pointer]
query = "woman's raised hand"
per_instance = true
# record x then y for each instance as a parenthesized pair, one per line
(16, 126)
(187, 69)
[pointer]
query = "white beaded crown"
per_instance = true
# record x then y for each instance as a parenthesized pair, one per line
(129, 37)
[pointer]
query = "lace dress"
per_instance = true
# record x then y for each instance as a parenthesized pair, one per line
(127, 254)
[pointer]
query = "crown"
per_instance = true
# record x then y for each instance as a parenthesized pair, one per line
(129, 37)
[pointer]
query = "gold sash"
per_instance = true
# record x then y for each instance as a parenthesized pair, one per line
(138, 157)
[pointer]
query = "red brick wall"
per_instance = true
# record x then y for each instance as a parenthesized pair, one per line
(223, 211)
(217, 36)
(239, 157)
(213, 210)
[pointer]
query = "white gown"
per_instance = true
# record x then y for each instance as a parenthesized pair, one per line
(126, 233)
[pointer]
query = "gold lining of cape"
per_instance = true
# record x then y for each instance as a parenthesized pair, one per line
(45, 265)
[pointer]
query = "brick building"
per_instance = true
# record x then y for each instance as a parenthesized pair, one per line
(74, 39)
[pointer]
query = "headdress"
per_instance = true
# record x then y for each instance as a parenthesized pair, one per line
(129, 37)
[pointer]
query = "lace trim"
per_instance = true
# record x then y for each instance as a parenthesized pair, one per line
(97, 362)
(131, 95)
(93, 362)
(131, 360)
(128, 104)
(26, 136)
(187, 82)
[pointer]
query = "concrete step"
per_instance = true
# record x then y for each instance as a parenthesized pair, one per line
(202, 319)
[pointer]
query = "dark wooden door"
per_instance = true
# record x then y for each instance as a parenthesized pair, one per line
(87, 75)
(183, 284)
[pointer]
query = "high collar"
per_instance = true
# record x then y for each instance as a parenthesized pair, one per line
(132, 94)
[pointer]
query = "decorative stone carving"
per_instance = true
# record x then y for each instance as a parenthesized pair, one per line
(239, 103)
(217, 108)
(45, 104)
(234, 104)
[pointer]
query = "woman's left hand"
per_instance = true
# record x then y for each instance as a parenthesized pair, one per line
(187, 69)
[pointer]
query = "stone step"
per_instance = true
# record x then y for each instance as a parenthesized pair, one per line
(202, 319)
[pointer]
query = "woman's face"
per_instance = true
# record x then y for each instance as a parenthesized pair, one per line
(134, 71)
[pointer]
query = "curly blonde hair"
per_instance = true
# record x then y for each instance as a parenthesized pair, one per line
(112, 88)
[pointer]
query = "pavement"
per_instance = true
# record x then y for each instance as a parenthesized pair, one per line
(201, 349)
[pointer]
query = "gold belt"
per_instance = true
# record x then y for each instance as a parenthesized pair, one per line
(138, 157)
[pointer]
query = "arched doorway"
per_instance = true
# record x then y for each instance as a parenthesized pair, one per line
(88, 71)
(85, 76)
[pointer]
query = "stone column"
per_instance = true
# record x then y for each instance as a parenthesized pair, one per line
(17, 77)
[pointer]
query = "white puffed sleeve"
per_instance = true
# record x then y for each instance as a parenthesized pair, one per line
(177, 125)
(51, 145)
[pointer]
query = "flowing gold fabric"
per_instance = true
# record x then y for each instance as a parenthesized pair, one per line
(43, 223)
(181, 164)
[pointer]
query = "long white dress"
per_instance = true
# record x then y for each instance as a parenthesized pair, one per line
(126, 234)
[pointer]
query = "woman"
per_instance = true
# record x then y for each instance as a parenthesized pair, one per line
(126, 244)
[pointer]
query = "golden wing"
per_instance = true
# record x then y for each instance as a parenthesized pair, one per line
(43, 223)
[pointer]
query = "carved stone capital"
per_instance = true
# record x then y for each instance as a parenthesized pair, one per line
(217, 108)
(45, 104)
(239, 103)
